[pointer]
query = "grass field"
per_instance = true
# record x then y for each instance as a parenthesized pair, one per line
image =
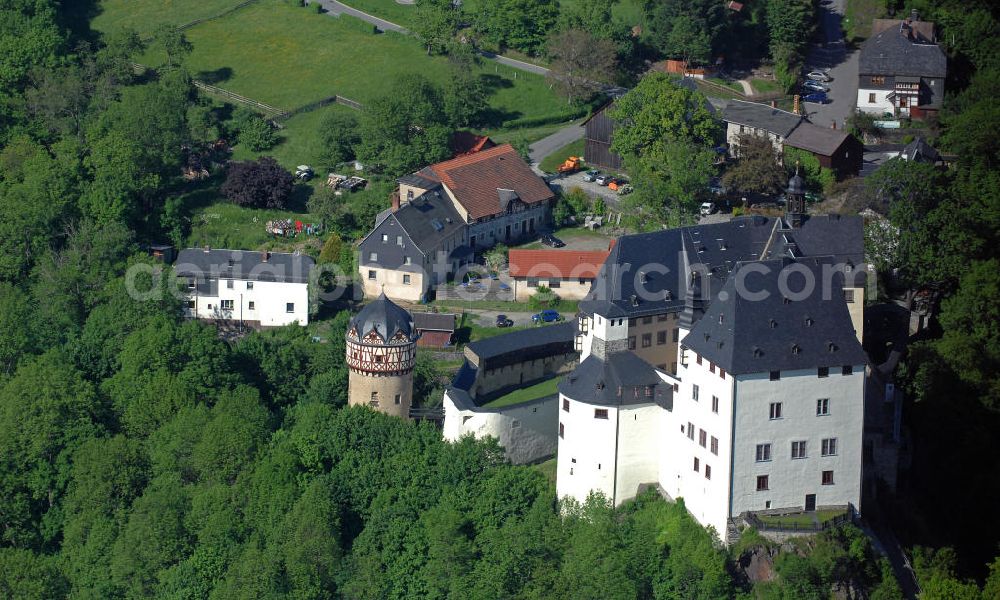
(765, 86)
(225, 225)
(858, 18)
(551, 162)
(287, 57)
(299, 144)
(534, 392)
(145, 16)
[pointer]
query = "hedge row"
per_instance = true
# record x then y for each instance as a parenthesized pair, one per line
(545, 119)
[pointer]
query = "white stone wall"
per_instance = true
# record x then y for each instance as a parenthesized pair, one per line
(791, 479)
(881, 105)
(586, 451)
(264, 301)
(568, 289)
(527, 431)
(733, 131)
(391, 282)
(706, 499)
(640, 430)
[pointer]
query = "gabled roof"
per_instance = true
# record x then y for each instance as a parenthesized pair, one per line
(761, 116)
(920, 151)
(561, 264)
(244, 265)
(765, 331)
(424, 321)
(466, 142)
(476, 180)
(519, 341)
(891, 52)
(428, 219)
(819, 140)
(620, 379)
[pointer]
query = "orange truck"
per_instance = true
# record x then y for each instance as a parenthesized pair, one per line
(570, 165)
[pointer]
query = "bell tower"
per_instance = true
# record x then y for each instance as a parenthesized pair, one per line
(795, 197)
(381, 352)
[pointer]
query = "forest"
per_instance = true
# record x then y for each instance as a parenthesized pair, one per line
(143, 456)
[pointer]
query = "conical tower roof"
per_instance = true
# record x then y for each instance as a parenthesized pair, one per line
(384, 317)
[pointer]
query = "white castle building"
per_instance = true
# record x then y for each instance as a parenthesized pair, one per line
(712, 371)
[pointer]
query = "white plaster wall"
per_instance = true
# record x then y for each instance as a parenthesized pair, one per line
(881, 105)
(569, 289)
(733, 132)
(269, 298)
(706, 499)
(639, 435)
(791, 479)
(391, 281)
(527, 432)
(586, 451)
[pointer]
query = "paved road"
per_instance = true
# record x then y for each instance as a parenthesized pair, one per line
(336, 9)
(843, 68)
(557, 140)
(517, 64)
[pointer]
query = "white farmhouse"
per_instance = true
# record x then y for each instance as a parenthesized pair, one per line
(255, 288)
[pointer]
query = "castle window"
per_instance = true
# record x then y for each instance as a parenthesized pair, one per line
(289, 307)
(702, 438)
(600, 413)
(763, 453)
(374, 400)
(846, 370)
(799, 449)
(690, 431)
(775, 410)
(822, 407)
(871, 98)
(647, 340)
(715, 404)
(565, 405)
(562, 434)
(722, 373)
(694, 392)
(762, 483)
(249, 285)
(697, 358)
(775, 375)
(708, 471)
(828, 447)
(827, 478)
(229, 284)
(823, 372)
(711, 367)
(697, 464)
(714, 446)
(378, 358)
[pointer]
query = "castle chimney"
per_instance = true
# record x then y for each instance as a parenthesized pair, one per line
(795, 106)
(395, 202)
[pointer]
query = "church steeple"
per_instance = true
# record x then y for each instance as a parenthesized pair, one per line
(795, 199)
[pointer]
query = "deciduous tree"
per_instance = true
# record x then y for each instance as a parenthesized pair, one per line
(262, 183)
(581, 63)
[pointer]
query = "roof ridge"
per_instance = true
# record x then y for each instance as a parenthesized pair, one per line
(475, 157)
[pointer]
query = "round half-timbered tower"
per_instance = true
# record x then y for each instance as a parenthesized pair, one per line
(381, 351)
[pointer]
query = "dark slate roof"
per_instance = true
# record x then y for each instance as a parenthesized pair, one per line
(892, 53)
(715, 249)
(816, 139)
(417, 181)
(465, 377)
(423, 321)
(762, 116)
(756, 335)
(420, 219)
(920, 151)
(620, 379)
(244, 265)
(519, 341)
(385, 317)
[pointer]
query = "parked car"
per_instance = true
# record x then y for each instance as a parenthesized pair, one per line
(303, 172)
(706, 209)
(552, 241)
(547, 316)
(817, 75)
(816, 98)
(603, 179)
(591, 175)
(503, 321)
(814, 86)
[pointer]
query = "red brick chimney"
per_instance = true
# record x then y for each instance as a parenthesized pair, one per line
(795, 106)
(833, 124)
(395, 201)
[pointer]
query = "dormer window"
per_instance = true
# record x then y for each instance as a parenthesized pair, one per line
(831, 346)
(772, 323)
(757, 352)
(786, 300)
(796, 349)
(635, 300)
(809, 321)
(721, 318)
(643, 277)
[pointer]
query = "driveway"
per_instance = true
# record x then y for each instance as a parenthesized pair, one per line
(832, 54)
(565, 182)
(336, 9)
(547, 145)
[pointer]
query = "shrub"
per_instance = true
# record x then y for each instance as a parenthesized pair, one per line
(256, 134)
(545, 119)
(258, 184)
(544, 298)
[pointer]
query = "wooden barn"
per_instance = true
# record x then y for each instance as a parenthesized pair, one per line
(435, 329)
(598, 130)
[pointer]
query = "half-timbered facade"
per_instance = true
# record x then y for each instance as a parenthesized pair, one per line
(381, 351)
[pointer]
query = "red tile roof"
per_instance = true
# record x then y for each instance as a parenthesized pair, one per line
(561, 264)
(466, 142)
(475, 179)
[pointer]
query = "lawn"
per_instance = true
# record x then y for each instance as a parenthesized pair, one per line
(222, 224)
(858, 18)
(595, 239)
(551, 162)
(799, 520)
(299, 144)
(287, 57)
(534, 392)
(765, 86)
(145, 16)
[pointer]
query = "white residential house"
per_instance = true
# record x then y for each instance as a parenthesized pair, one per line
(256, 288)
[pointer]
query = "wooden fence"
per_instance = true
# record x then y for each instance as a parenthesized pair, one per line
(268, 110)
